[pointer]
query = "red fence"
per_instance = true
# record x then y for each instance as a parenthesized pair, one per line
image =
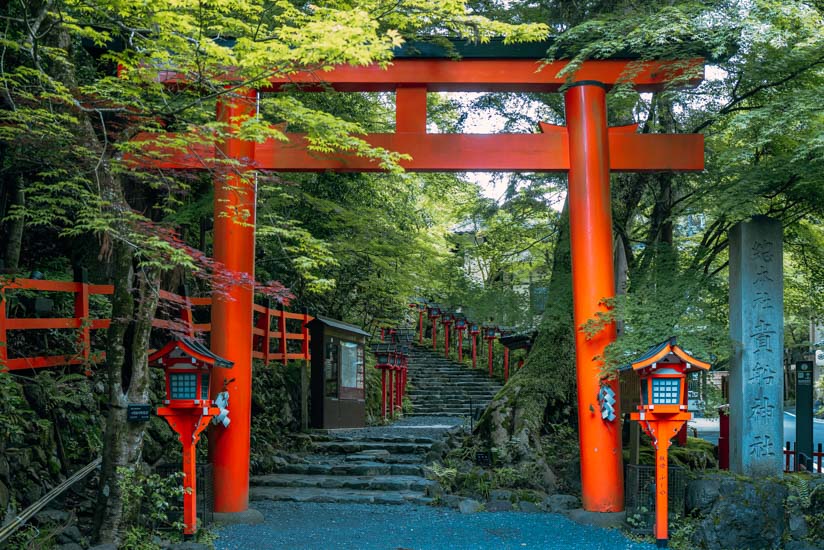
(267, 319)
(80, 322)
(790, 458)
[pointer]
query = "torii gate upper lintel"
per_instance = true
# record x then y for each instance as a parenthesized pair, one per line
(586, 148)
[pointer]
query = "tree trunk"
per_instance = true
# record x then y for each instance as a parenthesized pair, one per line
(127, 339)
(543, 391)
(128, 380)
(14, 241)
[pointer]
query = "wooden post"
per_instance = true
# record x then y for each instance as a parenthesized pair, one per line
(81, 311)
(383, 392)
(189, 488)
(506, 364)
(304, 375)
(391, 392)
(283, 342)
(267, 333)
(489, 351)
(231, 336)
(4, 350)
(593, 280)
(662, 492)
(186, 312)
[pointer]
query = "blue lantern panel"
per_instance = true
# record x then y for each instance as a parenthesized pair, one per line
(183, 385)
(204, 386)
(665, 391)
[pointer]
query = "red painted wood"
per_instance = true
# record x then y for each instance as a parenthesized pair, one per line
(590, 222)
(231, 335)
(41, 323)
(284, 336)
(410, 110)
(49, 361)
(543, 152)
(487, 75)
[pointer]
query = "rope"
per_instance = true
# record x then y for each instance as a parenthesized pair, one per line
(7, 530)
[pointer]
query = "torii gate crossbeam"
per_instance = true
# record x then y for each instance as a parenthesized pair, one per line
(586, 148)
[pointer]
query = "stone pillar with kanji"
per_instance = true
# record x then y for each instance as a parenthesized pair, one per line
(757, 334)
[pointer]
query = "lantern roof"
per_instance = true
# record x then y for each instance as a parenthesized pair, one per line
(339, 325)
(183, 346)
(667, 351)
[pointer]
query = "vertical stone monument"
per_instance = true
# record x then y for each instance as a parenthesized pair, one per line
(757, 333)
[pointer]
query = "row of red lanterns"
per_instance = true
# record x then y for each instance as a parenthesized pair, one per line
(489, 332)
(392, 360)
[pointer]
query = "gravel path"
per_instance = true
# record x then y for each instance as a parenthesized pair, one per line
(315, 526)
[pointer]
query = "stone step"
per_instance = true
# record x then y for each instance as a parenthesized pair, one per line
(447, 380)
(362, 483)
(452, 396)
(353, 469)
(350, 447)
(452, 387)
(315, 494)
(388, 458)
(401, 438)
(450, 412)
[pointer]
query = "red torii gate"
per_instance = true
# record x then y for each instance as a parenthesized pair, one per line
(586, 148)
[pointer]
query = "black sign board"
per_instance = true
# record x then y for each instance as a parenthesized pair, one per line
(483, 458)
(803, 414)
(136, 412)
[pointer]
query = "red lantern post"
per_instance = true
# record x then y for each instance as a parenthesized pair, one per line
(434, 312)
(460, 326)
(663, 373)
(490, 332)
(383, 363)
(188, 366)
(446, 320)
(474, 331)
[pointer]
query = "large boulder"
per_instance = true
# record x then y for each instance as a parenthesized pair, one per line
(738, 512)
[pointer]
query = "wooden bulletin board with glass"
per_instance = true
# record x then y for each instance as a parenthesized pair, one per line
(338, 376)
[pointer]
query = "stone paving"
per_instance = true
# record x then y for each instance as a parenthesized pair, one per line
(320, 526)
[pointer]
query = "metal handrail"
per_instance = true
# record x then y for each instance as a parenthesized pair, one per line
(7, 530)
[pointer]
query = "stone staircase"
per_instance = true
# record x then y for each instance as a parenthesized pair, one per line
(375, 465)
(384, 464)
(440, 387)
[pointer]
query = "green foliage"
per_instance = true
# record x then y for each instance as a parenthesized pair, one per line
(13, 420)
(276, 405)
(713, 398)
(696, 455)
(147, 503)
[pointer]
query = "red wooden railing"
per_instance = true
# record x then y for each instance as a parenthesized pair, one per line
(263, 327)
(80, 322)
(83, 324)
(790, 457)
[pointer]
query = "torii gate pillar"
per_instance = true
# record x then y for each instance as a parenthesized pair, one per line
(232, 328)
(590, 223)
